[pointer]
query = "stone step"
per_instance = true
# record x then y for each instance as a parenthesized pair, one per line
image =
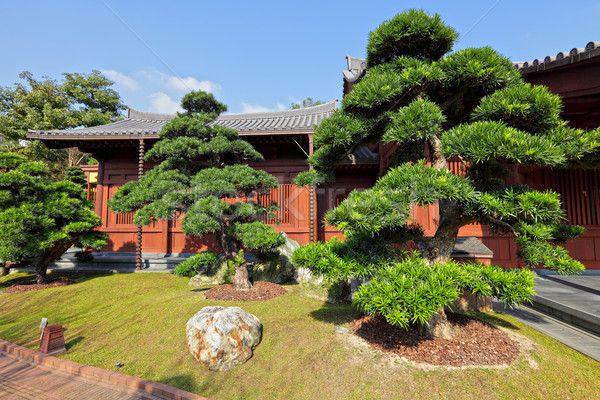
(573, 300)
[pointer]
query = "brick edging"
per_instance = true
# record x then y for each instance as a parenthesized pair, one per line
(97, 374)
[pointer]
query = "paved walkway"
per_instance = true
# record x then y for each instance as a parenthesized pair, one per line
(26, 374)
(566, 308)
(20, 380)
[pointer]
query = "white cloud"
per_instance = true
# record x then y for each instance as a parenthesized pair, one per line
(121, 79)
(178, 84)
(190, 83)
(163, 103)
(257, 108)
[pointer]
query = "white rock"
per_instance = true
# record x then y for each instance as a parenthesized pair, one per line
(223, 337)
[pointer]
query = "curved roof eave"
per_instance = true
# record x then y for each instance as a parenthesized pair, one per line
(148, 125)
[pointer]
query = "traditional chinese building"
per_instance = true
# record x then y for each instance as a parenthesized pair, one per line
(285, 138)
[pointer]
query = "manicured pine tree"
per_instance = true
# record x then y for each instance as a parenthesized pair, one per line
(201, 175)
(435, 105)
(41, 218)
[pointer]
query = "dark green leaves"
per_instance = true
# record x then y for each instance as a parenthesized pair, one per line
(40, 216)
(199, 102)
(477, 72)
(201, 176)
(412, 290)
(413, 33)
(532, 109)
(419, 121)
(480, 142)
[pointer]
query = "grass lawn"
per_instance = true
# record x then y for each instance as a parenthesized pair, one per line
(139, 319)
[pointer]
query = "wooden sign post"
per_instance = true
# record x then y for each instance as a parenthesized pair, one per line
(53, 340)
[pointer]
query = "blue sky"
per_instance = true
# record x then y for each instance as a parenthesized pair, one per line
(254, 55)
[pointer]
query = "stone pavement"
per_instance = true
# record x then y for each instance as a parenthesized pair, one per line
(566, 308)
(26, 374)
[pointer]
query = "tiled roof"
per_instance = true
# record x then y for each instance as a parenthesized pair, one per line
(356, 69)
(577, 54)
(357, 66)
(146, 124)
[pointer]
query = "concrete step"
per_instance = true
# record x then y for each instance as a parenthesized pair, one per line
(573, 300)
(113, 263)
(579, 339)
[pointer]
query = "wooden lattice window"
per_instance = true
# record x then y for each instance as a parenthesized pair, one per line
(580, 194)
(124, 218)
(281, 196)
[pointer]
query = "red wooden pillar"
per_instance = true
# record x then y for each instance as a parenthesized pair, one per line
(100, 204)
(312, 200)
(138, 244)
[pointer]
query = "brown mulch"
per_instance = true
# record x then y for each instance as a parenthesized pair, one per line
(28, 287)
(260, 291)
(475, 342)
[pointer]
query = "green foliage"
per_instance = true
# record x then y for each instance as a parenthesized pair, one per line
(41, 217)
(312, 177)
(76, 175)
(201, 102)
(413, 290)
(308, 102)
(201, 175)
(419, 121)
(47, 104)
(355, 257)
(256, 235)
(481, 142)
(528, 108)
(434, 105)
(413, 33)
(193, 265)
(477, 72)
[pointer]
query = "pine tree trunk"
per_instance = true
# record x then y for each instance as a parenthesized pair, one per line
(436, 327)
(439, 249)
(241, 280)
(40, 273)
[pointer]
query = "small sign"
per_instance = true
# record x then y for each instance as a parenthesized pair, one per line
(44, 323)
(53, 340)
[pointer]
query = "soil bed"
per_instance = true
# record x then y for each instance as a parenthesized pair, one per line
(475, 342)
(28, 287)
(260, 291)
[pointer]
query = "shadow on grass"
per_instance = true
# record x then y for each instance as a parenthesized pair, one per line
(202, 289)
(336, 314)
(73, 342)
(492, 319)
(186, 382)
(29, 277)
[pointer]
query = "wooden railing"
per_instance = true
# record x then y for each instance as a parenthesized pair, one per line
(286, 197)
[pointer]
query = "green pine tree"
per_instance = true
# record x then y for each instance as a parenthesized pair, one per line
(436, 105)
(201, 175)
(41, 218)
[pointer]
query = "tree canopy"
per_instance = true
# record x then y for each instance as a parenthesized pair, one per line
(77, 100)
(40, 218)
(308, 102)
(202, 176)
(434, 106)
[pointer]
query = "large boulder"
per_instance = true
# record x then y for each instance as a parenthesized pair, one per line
(210, 276)
(223, 337)
(317, 287)
(276, 266)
